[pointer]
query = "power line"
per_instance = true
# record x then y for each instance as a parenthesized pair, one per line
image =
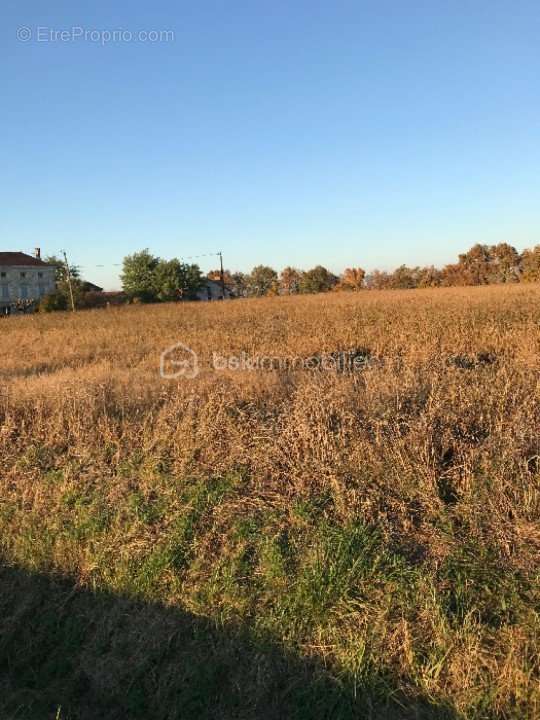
(193, 257)
(182, 257)
(111, 265)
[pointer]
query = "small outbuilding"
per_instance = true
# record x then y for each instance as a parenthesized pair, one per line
(212, 290)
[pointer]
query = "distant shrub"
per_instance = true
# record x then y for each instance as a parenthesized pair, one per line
(53, 302)
(90, 300)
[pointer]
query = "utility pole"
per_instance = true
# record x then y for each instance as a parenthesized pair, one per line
(221, 274)
(68, 277)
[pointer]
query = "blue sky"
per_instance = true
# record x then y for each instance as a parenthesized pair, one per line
(284, 133)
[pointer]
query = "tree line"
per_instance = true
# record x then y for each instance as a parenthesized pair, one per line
(481, 265)
(147, 278)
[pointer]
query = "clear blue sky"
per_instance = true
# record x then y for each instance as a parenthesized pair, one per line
(343, 133)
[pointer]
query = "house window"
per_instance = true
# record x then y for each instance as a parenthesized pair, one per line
(2, 274)
(5, 292)
(40, 274)
(24, 291)
(23, 274)
(42, 290)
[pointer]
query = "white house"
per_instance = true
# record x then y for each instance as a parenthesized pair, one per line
(23, 279)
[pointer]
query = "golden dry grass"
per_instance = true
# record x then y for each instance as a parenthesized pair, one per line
(384, 523)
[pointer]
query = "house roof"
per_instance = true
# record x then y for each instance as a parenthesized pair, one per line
(19, 258)
(90, 287)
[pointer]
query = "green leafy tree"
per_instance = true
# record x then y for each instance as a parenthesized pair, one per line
(404, 278)
(239, 284)
(60, 299)
(168, 280)
(175, 280)
(138, 276)
(193, 280)
(53, 302)
(263, 280)
(318, 280)
(60, 269)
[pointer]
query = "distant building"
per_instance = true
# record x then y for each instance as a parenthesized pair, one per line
(24, 279)
(212, 290)
(90, 287)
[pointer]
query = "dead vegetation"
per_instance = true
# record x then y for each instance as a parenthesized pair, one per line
(382, 523)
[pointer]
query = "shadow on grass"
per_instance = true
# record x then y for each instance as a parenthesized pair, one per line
(72, 653)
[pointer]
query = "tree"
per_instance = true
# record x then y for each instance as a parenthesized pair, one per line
(174, 280)
(452, 275)
(61, 298)
(428, 277)
(483, 265)
(60, 269)
(530, 265)
(193, 280)
(378, 280)
(239, 284)
(262, 281)
(317, 280)
(168, 280)
(404, 278)
(475, 265)
(138, 276)
(504, 264)
(289, 281)
(352, 279)
(53, 302)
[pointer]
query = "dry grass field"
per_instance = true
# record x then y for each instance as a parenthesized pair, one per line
(290, 542)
